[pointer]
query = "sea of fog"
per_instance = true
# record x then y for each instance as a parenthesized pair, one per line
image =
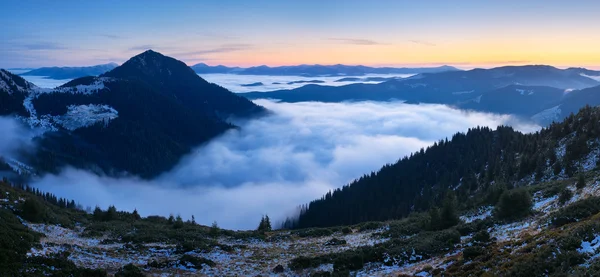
(271, 164)
(236, 83)
(275, 163)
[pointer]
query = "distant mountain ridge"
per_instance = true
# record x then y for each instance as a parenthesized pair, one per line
(60, 73)
(139, 118)
(317, 70)
(520, 90)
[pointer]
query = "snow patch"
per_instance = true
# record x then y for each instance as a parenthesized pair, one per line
(92, 88)
(550, 114)
(590, 247)
(18, 166)
(597, 78)
(85, 115)
(480, 214)
(525, 92)
(463, 92)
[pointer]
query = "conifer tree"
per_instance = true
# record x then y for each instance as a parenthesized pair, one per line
(214, 230)
(580, 182)
(178, 222)
(98, 214)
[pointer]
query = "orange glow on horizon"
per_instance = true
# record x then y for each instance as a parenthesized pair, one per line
(465, 55)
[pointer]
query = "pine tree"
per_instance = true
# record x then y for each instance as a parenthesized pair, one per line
(136, 215)
(171, 219)
(193, 220)
(178, 222)
(434, 219)
(111, 213)
(98, 214)
(580, 182)
(448, 215)
(267, 226)
(214, 230)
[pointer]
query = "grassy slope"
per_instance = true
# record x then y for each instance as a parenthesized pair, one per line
(533, 246)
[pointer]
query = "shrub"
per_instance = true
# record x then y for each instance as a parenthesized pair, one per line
(214, 230)
(371, 225)
(346, 230)
(335, 241)
(33, 210)
(482, 236)
(475, 226)
(473, 252)
(129, 270)
(565, 195)
(513, 204)
(314, 232)
(178, 224)
(580, 182)
(576, 211)
(197, 262)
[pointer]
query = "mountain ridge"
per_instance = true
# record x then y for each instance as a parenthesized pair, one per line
(138, 118)
(316, 70)
(463, 89)
(60, 73)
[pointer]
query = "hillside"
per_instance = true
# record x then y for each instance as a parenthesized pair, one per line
(316, 70)
(554, 235)
(139, 118)
(480, 204)
(474, 166)
(61, 73)
(520, 90)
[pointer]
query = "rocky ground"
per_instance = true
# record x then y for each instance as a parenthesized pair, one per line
(271, 255)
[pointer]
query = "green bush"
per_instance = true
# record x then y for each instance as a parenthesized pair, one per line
(346, 230)
(472, 252)
(335, 241)
(371, 225)
(475, 226)
(15, 242)
(314, 232)
(197, 262)
(513, 204)
(482, 236)
(580, 182)
(129, 270)
(576, 211)
(33, 210)
(565, 195)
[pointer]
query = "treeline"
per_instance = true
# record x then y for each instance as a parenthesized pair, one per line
(482, 162)
(46, 196)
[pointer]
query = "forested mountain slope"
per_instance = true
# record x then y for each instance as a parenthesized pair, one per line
(474, 165)
(140, 118)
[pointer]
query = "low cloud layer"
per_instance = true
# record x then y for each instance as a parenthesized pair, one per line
(14, 136)
(276, 163)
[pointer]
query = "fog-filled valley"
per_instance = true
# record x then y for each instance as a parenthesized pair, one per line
(273, 164)
(299, 138)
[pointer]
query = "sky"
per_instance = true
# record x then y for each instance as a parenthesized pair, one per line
(466, 33)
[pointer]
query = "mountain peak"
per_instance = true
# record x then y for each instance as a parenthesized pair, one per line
(10, 82)
(153, 67)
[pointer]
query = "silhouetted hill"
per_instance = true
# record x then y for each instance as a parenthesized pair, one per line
(316, 70)
(70, 72)
(475, 166)
(491, 90)
(141, 117)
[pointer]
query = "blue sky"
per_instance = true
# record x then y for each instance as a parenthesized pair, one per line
(463, 33)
